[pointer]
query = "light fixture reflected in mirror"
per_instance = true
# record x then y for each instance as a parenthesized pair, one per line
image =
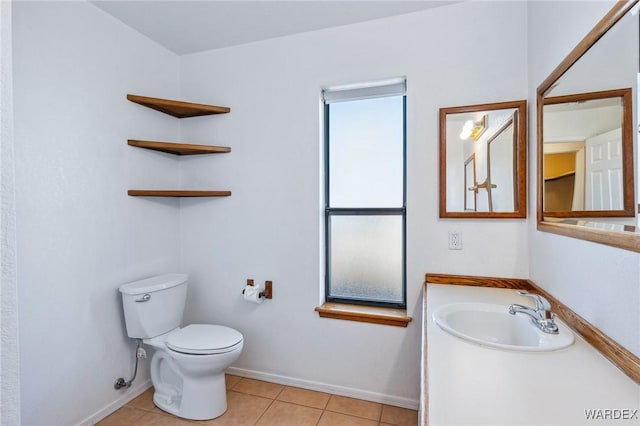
(474, 129)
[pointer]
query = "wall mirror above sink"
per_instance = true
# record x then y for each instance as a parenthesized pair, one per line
(586, 136)
(483, 161)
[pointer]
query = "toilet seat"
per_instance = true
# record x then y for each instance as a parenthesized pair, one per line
(204, 339)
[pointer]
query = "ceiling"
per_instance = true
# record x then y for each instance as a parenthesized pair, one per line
(193, 26)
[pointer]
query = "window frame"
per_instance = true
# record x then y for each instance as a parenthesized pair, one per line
(364, 211)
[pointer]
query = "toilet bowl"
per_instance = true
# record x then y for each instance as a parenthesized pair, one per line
(187, 369)
(188, 365)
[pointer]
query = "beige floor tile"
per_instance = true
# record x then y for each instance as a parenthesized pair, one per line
(242, 410)
(231, 380)
(124, 416)
(329, 418)
(285, 414)
(354, 407)
(153, 419)
(304, 397)
(399, 416)
(144, 401)
(258, 388)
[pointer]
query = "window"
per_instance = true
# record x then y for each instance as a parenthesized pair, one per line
(365, 208)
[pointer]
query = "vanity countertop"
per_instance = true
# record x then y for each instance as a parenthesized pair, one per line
(469, 384)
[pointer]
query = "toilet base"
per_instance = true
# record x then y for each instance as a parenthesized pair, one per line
(198, 400)
(191, 386)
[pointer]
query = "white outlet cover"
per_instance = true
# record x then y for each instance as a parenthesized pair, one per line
(455, 240)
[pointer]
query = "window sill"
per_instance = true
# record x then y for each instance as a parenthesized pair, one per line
(371, 314)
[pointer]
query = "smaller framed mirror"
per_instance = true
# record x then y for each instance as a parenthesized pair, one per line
(587, 147)
(483, 160)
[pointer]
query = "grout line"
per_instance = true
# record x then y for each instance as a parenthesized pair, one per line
(143, 416)
(280, 393)
(265, 411)
(356, 416)
(236, 384)
(300, 404)
(254, 394)
(326, 404)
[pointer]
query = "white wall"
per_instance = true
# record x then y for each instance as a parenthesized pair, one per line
(270, 227)
(9, 359)
(598, 282)
(79, 236)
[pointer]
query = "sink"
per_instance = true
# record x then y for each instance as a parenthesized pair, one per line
(491, 325)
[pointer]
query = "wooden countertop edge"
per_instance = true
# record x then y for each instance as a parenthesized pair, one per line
(621, 357)
(424, 371)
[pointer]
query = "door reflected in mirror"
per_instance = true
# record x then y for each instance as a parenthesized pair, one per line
(470, 184)
(483, 161)
(501, 169)
(588, 155)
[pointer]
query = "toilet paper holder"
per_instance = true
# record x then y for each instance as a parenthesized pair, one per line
(268, 289)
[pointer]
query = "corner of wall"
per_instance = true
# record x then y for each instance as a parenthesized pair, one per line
(9, 359)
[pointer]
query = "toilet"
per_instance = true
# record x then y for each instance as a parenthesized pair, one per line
(187, 368)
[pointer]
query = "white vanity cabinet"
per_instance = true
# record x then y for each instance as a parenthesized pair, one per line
(469, 384)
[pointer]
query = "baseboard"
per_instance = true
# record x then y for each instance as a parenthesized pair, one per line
(397, 401)
(129, 394)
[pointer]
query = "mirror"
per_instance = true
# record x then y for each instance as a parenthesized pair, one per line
(588, 155)
(586, 137)
(483, 161)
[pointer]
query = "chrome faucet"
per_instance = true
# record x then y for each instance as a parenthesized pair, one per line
(541, 316)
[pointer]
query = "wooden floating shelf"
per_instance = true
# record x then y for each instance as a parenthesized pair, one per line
(179, 148)
(179, 109)
(176, 193)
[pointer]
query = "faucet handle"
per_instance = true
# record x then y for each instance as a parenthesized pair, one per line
(542, 304)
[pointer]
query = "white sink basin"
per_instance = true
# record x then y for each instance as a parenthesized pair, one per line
(492, 325)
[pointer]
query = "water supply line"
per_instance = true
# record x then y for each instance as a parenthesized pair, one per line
(140, 353)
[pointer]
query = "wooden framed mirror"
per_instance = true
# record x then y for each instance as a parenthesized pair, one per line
(588, 155)
(483, 161)
(586, 137)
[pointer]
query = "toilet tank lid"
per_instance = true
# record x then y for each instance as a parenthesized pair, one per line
(152, 284)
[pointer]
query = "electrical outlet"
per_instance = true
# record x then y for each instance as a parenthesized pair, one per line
(455, 240)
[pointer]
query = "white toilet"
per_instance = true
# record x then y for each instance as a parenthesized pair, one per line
(187, 368)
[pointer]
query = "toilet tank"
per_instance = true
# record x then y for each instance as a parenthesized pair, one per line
(155, 305)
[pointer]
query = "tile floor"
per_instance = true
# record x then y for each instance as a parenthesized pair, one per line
(254, 402)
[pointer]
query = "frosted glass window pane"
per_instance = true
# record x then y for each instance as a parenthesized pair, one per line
(366, 160)
(366, 257)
